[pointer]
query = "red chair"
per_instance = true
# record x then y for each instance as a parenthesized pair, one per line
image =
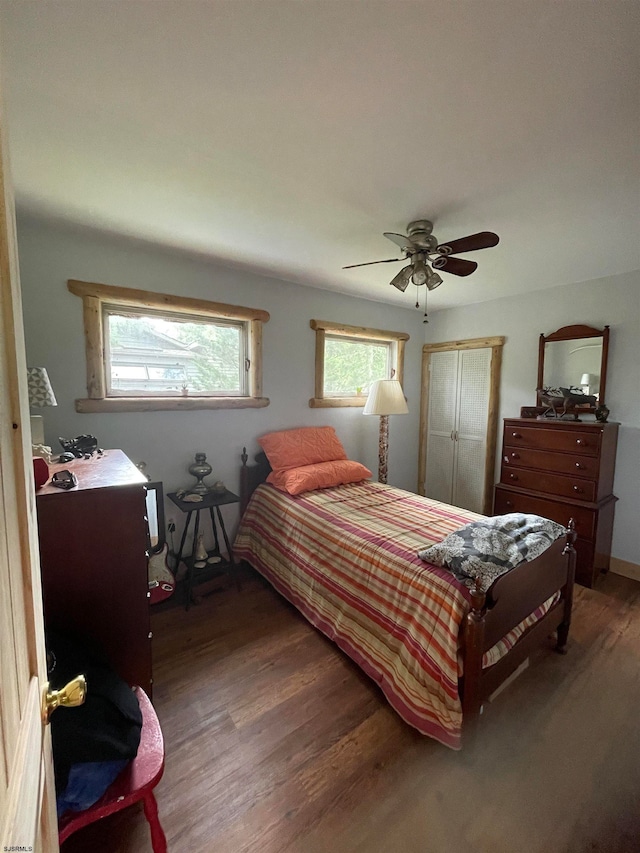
(136, 782)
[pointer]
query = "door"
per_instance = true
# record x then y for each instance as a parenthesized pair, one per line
(441, 427)
(458, 421)
(27, 798)
(470, 439)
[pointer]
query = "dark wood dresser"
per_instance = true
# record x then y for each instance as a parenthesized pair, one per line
(562, 470)
(93, 541)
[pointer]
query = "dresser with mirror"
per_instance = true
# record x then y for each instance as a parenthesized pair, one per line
(561, 465)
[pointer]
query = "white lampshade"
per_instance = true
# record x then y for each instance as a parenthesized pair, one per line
(386, 398)
(586, 379)
(39, 387)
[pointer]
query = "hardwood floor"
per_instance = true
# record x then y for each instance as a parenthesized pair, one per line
(276, 743)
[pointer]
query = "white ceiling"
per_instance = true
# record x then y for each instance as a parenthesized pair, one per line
(286, 135)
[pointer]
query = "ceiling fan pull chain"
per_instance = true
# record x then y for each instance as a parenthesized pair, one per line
(417, 297)
(426, 316)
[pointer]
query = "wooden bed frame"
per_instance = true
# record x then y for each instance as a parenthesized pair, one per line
(509, 600)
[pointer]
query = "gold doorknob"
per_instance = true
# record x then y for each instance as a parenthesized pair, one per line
(69, 696)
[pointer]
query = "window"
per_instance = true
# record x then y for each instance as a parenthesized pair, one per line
(150, 351)
(350, 358)
(160, 355)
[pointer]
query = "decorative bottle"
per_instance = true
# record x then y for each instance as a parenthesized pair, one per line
(200, 469)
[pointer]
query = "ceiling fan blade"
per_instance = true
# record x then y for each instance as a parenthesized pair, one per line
(401, 281)
(368, 263)
(405, 243)
(482, 240)
(456, 266)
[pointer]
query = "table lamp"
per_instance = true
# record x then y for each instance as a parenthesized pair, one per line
(585, 382)
(385, 398)
(40, 395)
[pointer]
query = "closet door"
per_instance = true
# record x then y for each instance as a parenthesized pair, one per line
(443, 400)
(458, 421)
(472, 412)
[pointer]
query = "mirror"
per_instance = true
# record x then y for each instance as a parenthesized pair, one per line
(575, 358)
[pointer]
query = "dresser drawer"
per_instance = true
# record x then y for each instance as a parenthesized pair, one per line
(560, 463)
(508, 501)
(537, 438)
(552, 484)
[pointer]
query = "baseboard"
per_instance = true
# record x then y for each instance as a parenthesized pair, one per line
(625, 568)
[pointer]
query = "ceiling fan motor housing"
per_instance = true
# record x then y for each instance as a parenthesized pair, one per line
(419, 232)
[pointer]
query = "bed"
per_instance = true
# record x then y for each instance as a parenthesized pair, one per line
(347, 558)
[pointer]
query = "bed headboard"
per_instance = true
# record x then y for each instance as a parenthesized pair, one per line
(251, 476)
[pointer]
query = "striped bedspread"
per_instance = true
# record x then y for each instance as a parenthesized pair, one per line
(346, 557)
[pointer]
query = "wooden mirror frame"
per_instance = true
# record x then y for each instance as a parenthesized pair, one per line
(568, 333)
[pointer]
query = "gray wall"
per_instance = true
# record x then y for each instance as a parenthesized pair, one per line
(613, 301)
(167, 441)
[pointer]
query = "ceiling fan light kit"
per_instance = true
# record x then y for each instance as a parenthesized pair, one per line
(434, 280)
(402, 279)
(420, 247)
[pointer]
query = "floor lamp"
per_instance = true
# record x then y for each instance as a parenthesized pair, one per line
(385, 398)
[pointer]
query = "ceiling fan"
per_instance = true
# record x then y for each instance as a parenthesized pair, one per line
(422, 248)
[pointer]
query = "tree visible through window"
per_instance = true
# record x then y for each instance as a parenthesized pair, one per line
(350, 366)
(151, 351)
(350, 358)
(161, 356)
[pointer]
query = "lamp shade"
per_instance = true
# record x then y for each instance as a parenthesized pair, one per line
(39, 387)
(586, 379)
(386, 398)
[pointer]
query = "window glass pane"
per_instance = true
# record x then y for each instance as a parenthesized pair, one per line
(164, 356)
(350, 366)
(129, 371)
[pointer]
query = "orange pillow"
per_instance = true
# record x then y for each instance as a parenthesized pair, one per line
(322, 475)
(293, 448)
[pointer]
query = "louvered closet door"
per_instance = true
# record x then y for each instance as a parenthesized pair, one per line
(472, 411)
(441, 425)
(459, 386)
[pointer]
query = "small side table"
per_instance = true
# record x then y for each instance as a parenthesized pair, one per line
(211, 501)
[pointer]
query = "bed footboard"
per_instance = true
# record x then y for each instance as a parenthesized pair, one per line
(506, 603)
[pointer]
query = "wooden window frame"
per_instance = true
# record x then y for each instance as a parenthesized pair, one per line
(96, 296)
(324, 327)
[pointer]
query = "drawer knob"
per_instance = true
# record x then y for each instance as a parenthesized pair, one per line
(580, 442)
(150, 635)
(516, 435)
(578, 489)
(513, 476)
(509, 503)
(578, 465)
(515, 456)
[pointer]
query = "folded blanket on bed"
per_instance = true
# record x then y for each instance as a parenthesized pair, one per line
(489, 548)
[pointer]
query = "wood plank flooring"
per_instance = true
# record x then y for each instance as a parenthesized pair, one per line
(276, 743)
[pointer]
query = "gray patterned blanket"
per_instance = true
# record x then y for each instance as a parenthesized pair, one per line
(489, 548)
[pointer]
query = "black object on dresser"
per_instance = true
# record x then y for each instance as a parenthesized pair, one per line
(93, 560)
(561, 470)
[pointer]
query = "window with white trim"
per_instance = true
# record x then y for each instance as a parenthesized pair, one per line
(350, 358)
(149, 351)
